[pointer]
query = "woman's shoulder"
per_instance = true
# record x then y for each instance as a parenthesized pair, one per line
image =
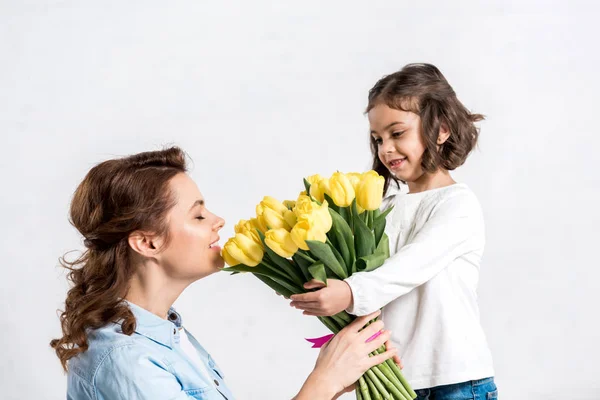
(102, 343)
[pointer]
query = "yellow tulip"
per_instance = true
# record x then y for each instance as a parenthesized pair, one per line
(290, 204)
(248, 228)
(354, 178)
(314, 179)
(305, 206)
(319, 189)
(341, 190)
(290, 219)
(307, 228)
(273, 204)
(271, 214)
(280, 241)
(242, 249)
(370, 190)
(232, 262)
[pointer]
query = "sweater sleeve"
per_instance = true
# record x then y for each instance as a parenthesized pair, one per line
(454, 228)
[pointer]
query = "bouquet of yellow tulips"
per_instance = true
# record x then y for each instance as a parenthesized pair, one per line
(332, 230)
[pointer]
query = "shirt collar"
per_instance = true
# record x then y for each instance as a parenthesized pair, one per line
(394, 188)
(162, 331)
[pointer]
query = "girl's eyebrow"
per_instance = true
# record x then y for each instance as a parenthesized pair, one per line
(389, 126)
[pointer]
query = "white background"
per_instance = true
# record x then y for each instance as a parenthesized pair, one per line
(261, 94)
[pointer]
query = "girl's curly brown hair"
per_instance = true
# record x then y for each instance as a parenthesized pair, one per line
(423, 90)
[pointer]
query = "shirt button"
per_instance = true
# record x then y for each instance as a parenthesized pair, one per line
(174, 331)
(216, 382)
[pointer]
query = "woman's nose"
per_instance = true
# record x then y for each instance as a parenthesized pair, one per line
(219, 224)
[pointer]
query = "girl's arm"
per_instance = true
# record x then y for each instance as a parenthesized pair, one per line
(455, 228)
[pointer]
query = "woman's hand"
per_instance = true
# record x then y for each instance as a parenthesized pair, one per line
(326, 301)
(345, 358)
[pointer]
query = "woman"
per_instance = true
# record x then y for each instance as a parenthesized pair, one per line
(149, 236)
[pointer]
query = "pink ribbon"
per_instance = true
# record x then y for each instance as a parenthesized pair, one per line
(320, 341)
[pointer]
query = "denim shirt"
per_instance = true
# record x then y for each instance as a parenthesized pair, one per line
(149, 364)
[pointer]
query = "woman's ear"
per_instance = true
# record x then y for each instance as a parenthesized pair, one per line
(444, 134)
(144, 243)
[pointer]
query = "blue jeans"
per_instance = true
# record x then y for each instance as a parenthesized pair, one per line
(482, 389)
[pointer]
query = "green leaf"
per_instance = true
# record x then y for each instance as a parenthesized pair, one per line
(379, 225)
(274, 285)
(364, 240)
(307, 187)
(375, 260)
(369, 263)
(345, 240)
(284, 264)
(384, 246)
(324, 253)
(355, 214)
(330, 202)
(346, 214)
(303, 265)
(317, 271)
(264, 271)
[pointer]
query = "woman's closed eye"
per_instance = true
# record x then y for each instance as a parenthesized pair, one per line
(200, 217)
(397, 134)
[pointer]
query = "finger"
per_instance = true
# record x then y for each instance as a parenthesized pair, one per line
(379, 341)
(314, 284)
(378, 359)
(312, 296)
(302, 304)
(359, 322)
(370, 330)
(315, 313)
(397, 359)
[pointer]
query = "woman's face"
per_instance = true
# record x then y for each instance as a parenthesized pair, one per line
(192, 251)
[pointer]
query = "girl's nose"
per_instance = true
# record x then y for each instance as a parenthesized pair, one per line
(387, 146)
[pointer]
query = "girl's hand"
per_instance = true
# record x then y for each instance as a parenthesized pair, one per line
(327, 301)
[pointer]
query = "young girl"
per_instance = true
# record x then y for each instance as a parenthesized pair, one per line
(428, 287)
(149, 235)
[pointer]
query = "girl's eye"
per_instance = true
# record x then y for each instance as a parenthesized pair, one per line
(378, 141)
(396, 134)
(200, 217)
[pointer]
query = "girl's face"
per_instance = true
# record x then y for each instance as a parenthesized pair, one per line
(400, 146)
(192, 252)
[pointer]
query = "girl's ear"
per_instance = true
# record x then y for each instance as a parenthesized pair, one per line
(444, 134)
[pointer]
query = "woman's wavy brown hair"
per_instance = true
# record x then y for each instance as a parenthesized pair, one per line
(423, 90)
(116, 198)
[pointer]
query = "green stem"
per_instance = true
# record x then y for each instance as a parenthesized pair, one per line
(330, 324)
(358, 395)
(364, 388)
(393, 373)
(396, 370)
(373, 388)
(344, 316)
(388, 384)
(338, 320)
